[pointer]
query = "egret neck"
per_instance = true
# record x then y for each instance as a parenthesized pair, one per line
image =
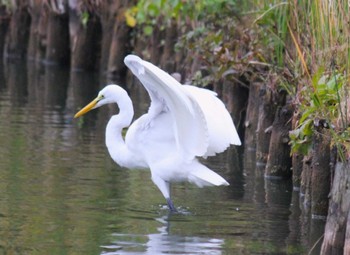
(114, 139)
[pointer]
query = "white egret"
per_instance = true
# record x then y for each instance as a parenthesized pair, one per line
(183, 122)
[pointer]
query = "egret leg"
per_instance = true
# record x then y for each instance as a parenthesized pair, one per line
(164, 187)
(171, 205)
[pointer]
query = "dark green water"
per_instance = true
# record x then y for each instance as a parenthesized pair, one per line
(62, 194)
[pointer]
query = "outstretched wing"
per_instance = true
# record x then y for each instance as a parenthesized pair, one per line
(167, 94)
(222, 131)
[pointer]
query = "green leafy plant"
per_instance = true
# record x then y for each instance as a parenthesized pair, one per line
(147, 14)
(84, 18)
(321, 105)
(321, 64)
(294, 43)
(207, 31)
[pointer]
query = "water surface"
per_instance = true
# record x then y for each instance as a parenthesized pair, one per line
(62, 194)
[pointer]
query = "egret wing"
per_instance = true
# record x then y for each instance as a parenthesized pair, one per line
(167, 94)
(222, 131)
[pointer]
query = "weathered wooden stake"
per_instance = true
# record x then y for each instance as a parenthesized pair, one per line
(279, 161)
(305, 182)
(297, 159)
(320, 179)
(347, 236)
(57, 51)
(18, 34)
(337, 229)
(252, 115)
(235, 97)
(168, 62)
(120, 45)
(38, 31)
(267, 110)
(85, 42)
(297, 167)
(4, 24)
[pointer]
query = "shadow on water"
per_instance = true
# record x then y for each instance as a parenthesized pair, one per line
(60, 191)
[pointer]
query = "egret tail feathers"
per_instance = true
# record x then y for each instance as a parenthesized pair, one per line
(203, 176)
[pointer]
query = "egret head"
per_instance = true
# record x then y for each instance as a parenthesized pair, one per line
(106, 96)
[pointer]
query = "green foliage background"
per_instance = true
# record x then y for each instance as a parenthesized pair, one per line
(302, 45)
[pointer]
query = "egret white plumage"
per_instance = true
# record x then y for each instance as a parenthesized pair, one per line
(183, 122)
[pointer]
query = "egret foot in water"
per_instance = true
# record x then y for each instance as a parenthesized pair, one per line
(171, 206)
(183, 122)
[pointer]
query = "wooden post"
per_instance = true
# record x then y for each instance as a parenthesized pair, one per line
(120, 45)
(4, 24)
(235, 97)
(279, 161)
(155, 46)
(57, 51)
(320, 178)
(85, 41)
(294, 220)
(107, 12)
(38, 31)
(252, 114)
(18, 34)
(267, 110)
(168, 61)
(338, 213)
(305, 182)
(297, 158)
(297, 167)
(347, 236)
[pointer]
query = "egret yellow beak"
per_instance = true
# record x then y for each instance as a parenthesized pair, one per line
(87, 108)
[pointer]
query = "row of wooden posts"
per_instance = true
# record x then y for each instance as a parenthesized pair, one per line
(321, 179)
(45, 32)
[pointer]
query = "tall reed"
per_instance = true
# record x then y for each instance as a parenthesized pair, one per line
(314, 46)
